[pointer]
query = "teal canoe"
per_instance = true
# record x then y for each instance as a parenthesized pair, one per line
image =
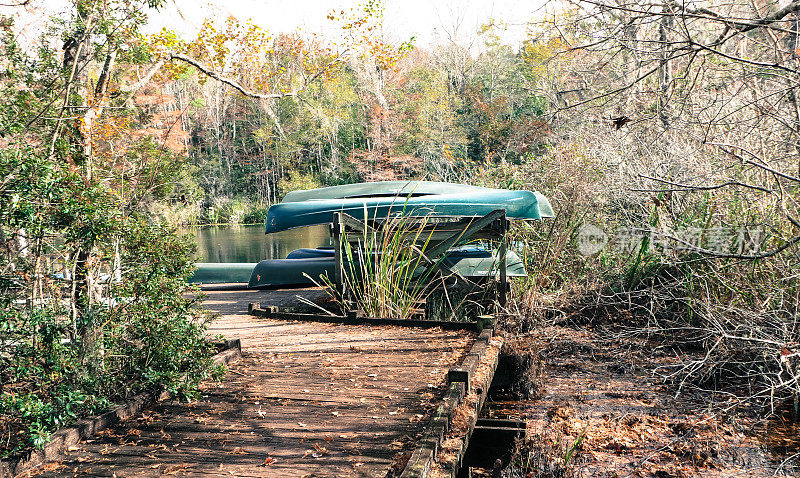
(303, 265)
(381, 189)
(285, 273)
(221, 272)
(469, 203)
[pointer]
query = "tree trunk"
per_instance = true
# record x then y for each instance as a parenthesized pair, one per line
(665, 25)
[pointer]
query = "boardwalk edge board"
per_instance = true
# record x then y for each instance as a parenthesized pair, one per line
(458, 380)
(61, 440)
(272, 312)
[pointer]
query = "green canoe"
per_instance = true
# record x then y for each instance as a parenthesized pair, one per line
(469, 203)
(381, 189)
(303, 264)
(221, 272)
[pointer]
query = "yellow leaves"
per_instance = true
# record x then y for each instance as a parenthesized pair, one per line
(536, 52)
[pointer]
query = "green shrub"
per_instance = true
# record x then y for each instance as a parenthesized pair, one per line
(150, 333)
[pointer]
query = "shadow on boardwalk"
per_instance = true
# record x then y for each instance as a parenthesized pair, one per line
(307, 399)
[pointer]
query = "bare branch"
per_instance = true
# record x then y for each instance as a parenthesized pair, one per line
(725, 255)
(222, 79)
(757, 164)
(145, 79)
(689, 187)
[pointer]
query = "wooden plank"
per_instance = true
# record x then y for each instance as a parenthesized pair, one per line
(482, 390)
(305, 398)
(273, 313)
(503, 292)
(459, 378)
(464, 372)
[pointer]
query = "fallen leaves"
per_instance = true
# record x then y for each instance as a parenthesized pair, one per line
(357, 415)
(107, 450)
(52, 466)
(318, 452)
(171, 470)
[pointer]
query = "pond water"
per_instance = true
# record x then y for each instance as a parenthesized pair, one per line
(249, 243)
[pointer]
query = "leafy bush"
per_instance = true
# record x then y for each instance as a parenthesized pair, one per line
(257, 214)
(297, 181)
(148, 333)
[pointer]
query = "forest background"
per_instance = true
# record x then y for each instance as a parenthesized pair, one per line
(671, 127)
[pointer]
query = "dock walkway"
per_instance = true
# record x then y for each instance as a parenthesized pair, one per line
(306, 399)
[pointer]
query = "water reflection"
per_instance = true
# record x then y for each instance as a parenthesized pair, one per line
(250, 244)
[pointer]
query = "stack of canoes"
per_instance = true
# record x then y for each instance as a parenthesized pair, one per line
(380, 200)
(301, 265)
(408, 198)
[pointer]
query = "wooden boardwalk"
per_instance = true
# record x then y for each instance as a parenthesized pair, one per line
(306, 399)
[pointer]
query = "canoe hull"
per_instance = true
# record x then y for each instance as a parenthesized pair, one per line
(517, 204)
(381, 188)
(319, 263)
(221, 272)
(287, 273)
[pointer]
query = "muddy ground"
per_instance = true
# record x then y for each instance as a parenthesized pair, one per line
(602, 410)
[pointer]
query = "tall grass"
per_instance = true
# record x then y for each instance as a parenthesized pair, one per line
(222, 210)
(385, 273)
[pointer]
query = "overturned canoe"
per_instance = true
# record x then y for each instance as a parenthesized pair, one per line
(221, 272)
(470, 203)
(284, 273)
(381, 189)
(303, 265)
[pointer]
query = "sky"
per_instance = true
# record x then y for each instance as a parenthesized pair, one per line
(429, 21)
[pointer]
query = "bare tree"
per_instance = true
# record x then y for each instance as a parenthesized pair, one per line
(692, 109)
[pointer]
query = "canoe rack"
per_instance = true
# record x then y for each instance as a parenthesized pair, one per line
(438, 234)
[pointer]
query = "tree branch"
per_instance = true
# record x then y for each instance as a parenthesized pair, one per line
(689, 187)
(241, 89)
(725, 255)
(754, 163)
(145, 79)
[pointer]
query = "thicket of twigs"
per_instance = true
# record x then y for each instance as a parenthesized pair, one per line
(676, 133)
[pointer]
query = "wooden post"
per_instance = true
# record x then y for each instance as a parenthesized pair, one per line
(336, 232)
(503, 248)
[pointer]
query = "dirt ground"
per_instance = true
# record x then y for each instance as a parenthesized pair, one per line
(603, 413)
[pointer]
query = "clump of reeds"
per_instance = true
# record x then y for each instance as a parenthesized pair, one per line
(383, 272)
(386, 273)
